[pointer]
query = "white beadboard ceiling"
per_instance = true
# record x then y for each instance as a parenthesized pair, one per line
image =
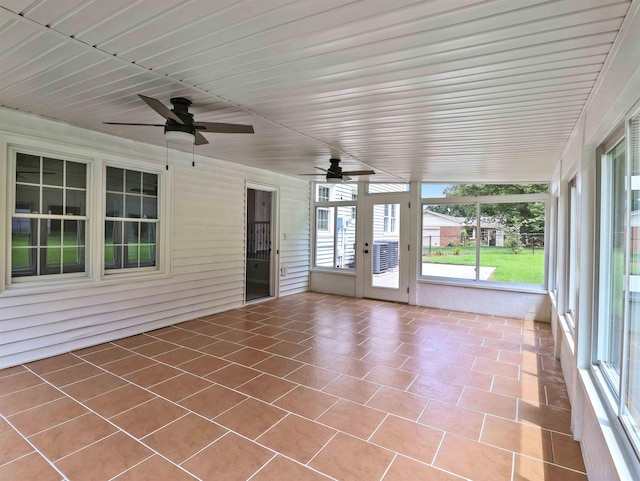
(438, 90)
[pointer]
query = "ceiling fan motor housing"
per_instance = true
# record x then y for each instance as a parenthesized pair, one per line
(334, 171)
(181, 109)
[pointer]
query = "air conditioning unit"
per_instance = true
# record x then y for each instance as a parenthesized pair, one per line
(380, 257)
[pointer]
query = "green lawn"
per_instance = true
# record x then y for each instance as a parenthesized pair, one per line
(526, 267)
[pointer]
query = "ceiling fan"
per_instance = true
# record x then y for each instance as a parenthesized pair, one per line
(180, 125)
(335, 174)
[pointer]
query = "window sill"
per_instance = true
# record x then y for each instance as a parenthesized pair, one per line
(330, 270)
(625, 461)
(494, 286)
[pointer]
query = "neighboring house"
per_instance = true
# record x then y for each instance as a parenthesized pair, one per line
(440, 230)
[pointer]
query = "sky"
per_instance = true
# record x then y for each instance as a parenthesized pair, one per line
(433, 190)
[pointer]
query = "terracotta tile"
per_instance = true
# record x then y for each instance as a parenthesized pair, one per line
(404, 469)
(495, 367)
(529, 359)
(94, 386)
(32, 466)
(152, 375)
(453, 419)
(46, 415)
(423, 366)
(184, 437)
(278, 365)
(28, 398)
(488, 402)
(401, 403)
(389, 359)
(178, 356)
(212, 401)
(92, 349)
(527, 469)
(350, 459)
(10, 371)
(466, 377)
(72, 374)
(567, 452)
(502, 345)
(388, 376)
(351, 367)
(231, 458)
(266, 387)
(175, 335)
(281, 468)
(146, 418)
(306, 402)
(436, 389)
(549, 417)
(557, 396)
(521, 438)
(248, 356)
(197, 342)
(128, 365)
(180, 387)
(155, 468)
(12, 445)
(233, 375)
(235, 335)
(293, 336)
(452, 358)
(119, 400)
(135, 341)
(251, 418)
(297, 437)
(18, 382)
(520, 389)
(312, 376)
(155, 348)
(269, 330)
(222, 348)
(483, 352)
(473, 460)
(316, 357)
(259, 342)
(356, 390)
(53, 363)
(114, 353)
(71, 436)
(352, 418)
(287, 349)
(409, 438)
(203, 365)
(104, 459)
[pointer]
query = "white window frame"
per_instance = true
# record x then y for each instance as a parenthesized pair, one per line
(44, 279)
(572, 267)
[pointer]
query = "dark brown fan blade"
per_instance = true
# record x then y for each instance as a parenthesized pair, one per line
(125, 123)
(161, 108)
(200, 139)
(317, 175)
(224, 128)
(359, 172)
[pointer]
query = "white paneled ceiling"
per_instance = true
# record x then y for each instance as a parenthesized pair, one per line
(440, 90)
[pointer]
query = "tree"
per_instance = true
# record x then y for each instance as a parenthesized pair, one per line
(527, 216)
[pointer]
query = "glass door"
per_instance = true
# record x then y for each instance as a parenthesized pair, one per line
(385, 247)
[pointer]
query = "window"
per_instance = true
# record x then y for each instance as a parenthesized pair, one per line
(617, 345)
(335, 226)
(322, 218)
(48, 222)
(572, 250)
(131, 219)
(500, 237)
(390, 218)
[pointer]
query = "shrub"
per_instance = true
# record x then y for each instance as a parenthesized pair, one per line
(456, 251)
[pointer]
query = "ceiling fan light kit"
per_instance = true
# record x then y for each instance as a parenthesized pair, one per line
(179, 136)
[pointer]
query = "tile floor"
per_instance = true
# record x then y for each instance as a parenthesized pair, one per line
(308, 387)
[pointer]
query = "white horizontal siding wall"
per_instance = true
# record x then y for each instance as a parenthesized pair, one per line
(207, 235)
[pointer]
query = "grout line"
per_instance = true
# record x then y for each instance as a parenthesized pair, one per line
(337, 431)
(132, 467)
(35, 449)
(388, 467)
